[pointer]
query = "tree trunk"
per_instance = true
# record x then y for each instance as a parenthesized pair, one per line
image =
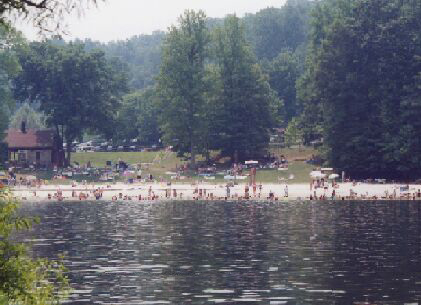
(69, 152)
(193, 154)
(59, 155)
(207, 155)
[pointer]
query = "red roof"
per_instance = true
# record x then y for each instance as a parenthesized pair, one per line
(30, 139)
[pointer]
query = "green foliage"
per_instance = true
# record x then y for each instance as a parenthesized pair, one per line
(293, 133)
(273, 30)
(138, 117)
(9, 68)
(79, 91)
(181, 83)
(311, 115)
(364, 72)
(244, 98)
(24, 280)
(26, 113)
(283, 73)
(142, 54)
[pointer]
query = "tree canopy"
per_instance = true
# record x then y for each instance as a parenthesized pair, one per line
(181, 82)
(46, 15)
(79, 90)
(244, 114)
(26, 113)
(283, 73)
(273, 30)
(141, 53)
(363, 80)
(138, 117)
(9, 68)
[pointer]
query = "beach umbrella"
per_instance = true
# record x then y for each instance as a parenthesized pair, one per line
(333, 176)
(317, 174)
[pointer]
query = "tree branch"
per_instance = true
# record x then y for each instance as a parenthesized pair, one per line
(41, 5)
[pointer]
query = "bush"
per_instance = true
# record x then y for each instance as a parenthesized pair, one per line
(24, 280)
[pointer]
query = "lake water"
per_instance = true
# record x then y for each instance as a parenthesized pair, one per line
(235, 253)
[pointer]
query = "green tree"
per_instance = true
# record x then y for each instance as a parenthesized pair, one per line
(138, 117)
(24, 280)
(141, 53)
(147, 119)
(181, 83)
(272, 30)
(26, 113)
(9, 68)
(308, 101)
(79, 91)
(283, 73)
(293, 133)
(244, 113)
(365, 74)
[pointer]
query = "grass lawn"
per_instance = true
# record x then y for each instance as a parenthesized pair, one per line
(168, 162)
(99, 159)
(300, 170)
(305, 152)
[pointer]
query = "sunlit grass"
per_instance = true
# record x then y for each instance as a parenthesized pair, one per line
(160, 163)
(99, 159)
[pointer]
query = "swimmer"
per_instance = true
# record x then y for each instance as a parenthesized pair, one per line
(82, 196)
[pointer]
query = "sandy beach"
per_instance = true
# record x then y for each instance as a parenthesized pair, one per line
(177, 191)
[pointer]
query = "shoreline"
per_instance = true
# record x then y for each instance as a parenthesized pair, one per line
(270, 191)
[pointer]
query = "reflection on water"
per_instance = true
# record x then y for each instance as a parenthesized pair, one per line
(235, 253)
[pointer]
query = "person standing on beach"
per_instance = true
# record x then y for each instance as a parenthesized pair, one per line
(246, 191)
(286, 190)
(228, 191)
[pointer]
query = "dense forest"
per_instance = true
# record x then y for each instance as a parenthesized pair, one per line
(344, 73)
(361, 90)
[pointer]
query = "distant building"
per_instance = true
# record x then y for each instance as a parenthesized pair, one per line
(32, 147)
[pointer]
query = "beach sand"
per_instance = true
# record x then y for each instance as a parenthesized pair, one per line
(158, 191)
